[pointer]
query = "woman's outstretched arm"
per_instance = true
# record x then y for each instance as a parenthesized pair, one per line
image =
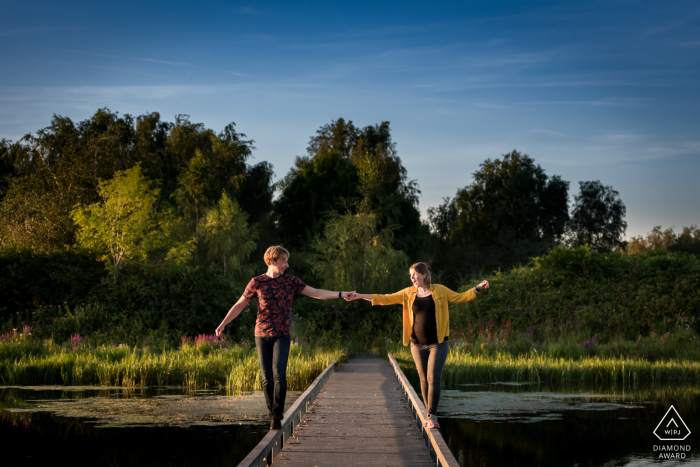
(381, 299)
(470, 294)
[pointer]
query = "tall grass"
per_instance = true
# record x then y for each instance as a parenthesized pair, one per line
(467, 367)
(235, 368)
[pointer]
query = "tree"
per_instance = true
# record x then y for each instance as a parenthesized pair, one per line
(228, 237)
(328, 179)
(44, 175)
(355, 252)
(354, 255)
(126, 227)
(314, 187)
(598, 217)
(194, 190)
(511, 198)
(511, 212)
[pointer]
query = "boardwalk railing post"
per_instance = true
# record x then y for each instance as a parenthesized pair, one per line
(439, 452)
(270, 446)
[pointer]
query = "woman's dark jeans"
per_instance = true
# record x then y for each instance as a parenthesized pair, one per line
(430, 360)
(273, 353)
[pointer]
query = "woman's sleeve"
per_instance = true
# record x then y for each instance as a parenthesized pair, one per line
(455, 297)
(388, 299)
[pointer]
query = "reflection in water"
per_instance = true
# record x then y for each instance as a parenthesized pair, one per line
(484, 425)
(125, 427)
(502, 425)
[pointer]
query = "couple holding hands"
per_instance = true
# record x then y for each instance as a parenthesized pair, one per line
(425, 325)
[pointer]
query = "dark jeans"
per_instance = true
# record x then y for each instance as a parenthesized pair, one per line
(273, 353)
(430, 360)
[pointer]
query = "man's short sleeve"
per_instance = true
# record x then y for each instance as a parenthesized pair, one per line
(298, 284)
(251, 291)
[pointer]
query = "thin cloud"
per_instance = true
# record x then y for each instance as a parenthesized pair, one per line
(25, 31)
(166, 62)
(593, 102)
(150, 60)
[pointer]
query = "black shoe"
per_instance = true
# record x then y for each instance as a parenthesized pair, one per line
(276, 423)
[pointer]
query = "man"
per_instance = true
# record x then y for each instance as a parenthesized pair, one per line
(274, 291)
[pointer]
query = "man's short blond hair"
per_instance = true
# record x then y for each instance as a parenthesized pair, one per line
(274, 253)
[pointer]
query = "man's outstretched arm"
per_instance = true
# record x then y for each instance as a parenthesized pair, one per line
(232, 313)
(323, 294)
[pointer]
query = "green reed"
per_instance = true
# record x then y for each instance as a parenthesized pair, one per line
(465, 367)
(235, 368)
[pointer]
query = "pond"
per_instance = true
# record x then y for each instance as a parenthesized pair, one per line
(88, 426)
(502, 424)
(511, 424)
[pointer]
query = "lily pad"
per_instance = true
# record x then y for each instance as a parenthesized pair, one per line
(181, 410)
(529, 407)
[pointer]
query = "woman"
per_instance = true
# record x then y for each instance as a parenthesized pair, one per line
(426, 324)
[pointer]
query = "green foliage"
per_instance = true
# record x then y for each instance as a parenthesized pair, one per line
(329, 179)
(313, 187)
(467, 367)
(353, 255)
(578, 293)
(598, 217)
(31, 278)
(687, 240)
(228, 238)
(510, 198)
(194, 191)
(185, 301)
(125, 227)
(355, 252)
(43, 176)
(235, 367)
(511, 212)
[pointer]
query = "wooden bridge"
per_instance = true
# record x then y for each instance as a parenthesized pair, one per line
(365, 414)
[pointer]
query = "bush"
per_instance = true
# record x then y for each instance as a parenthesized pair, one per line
(67, 292)
(578, 293)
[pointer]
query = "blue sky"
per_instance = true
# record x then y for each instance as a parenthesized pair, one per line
(605, 90)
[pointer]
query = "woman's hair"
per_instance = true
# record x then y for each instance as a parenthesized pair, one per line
(422, 268)
(274, 253)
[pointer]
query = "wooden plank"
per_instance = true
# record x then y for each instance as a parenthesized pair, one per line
(271, 445)
(361, 418)
(439, 450)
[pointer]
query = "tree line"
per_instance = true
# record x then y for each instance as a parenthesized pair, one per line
(150, 198)
(510, 211)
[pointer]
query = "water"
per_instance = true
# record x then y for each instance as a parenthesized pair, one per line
(530, 425)
(129, 427)
(484, 425)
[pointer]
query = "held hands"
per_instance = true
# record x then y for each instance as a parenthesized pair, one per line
(483, 285)
(349, 296)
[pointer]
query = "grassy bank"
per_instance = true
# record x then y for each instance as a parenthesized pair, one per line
(470, 367)
(579, 293)
(201, 364)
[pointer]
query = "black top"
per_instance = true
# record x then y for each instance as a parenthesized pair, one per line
(424, 324)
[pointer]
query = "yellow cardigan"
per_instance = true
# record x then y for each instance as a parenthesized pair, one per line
(441, 295)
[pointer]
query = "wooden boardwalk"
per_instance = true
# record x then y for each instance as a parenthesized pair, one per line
(360, 418)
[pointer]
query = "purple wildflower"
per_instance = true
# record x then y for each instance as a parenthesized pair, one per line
(76, 341)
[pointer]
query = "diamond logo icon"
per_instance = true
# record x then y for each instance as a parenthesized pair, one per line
(672, 427)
